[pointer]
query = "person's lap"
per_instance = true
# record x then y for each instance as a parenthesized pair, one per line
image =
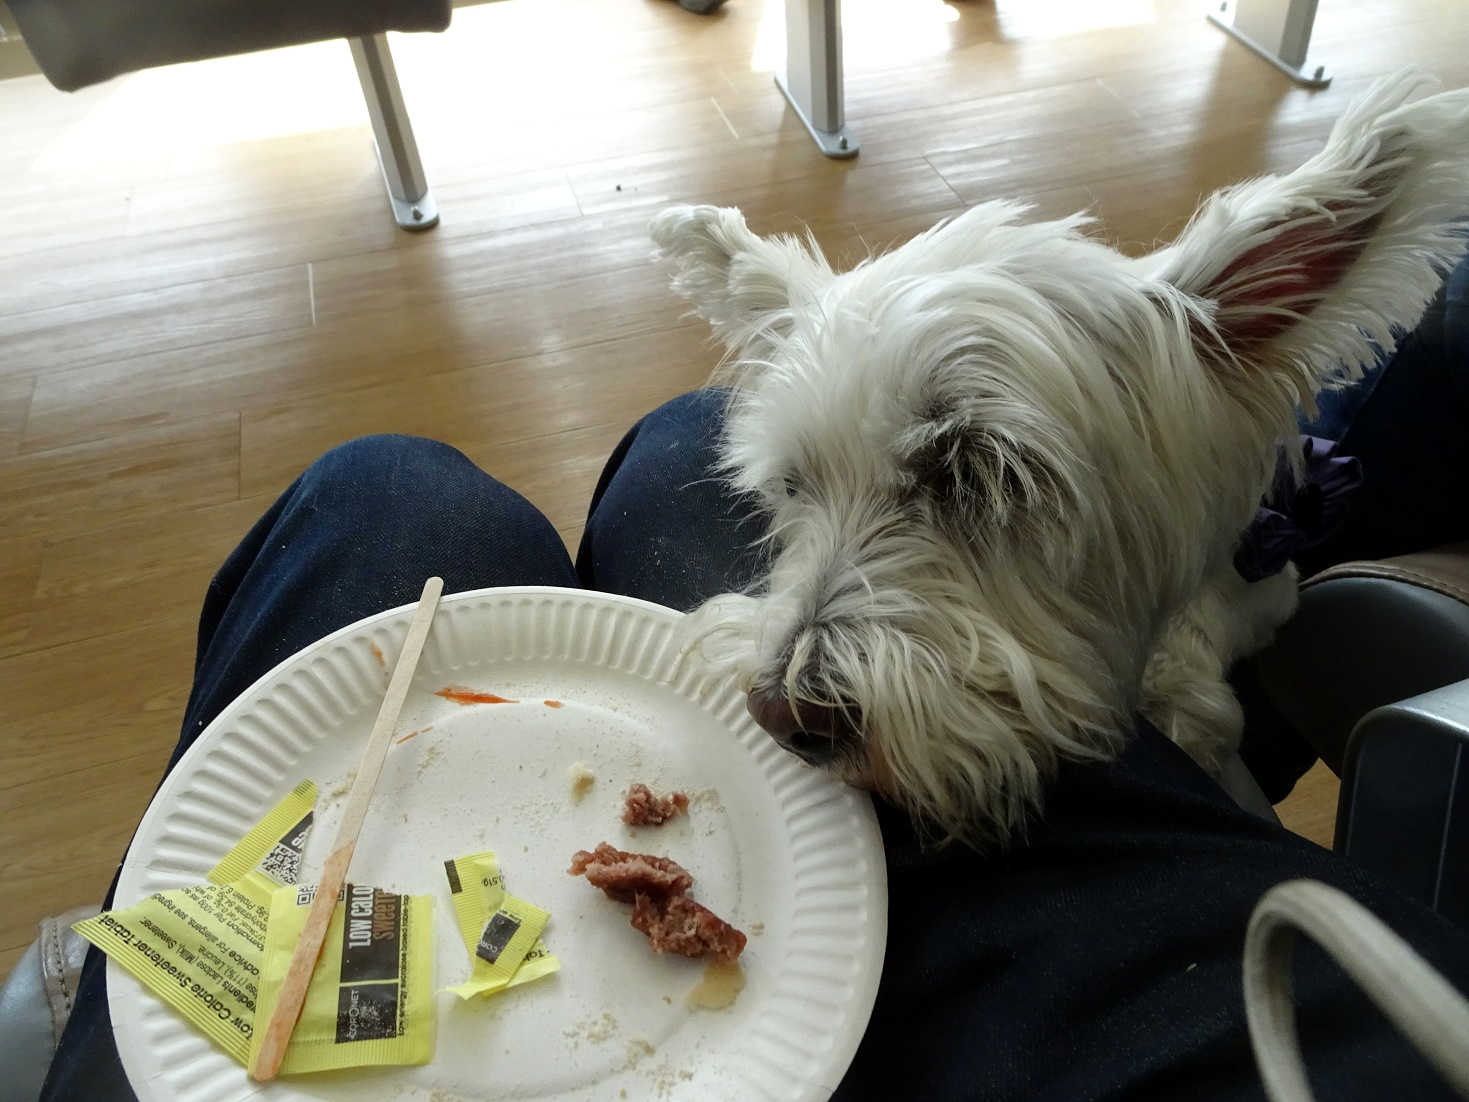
(357, 533)
(1100, 958)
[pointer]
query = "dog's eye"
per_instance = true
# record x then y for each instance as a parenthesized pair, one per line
(789, 485)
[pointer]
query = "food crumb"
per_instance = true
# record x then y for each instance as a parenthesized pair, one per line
(431, 755)
(642, 808)
(668, 999)
(665, 1077)
(706, 799)
(756, 928)
(582, 780)
(594, 1029)
(553, 704)
(637, 1048)
(343, 788)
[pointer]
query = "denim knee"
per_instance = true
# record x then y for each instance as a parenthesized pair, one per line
(408, 499)
(390, 458)
(702, 408)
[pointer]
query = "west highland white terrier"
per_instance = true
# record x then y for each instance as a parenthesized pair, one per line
(1006, 467)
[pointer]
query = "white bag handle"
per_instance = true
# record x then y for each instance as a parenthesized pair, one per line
(1414, 997)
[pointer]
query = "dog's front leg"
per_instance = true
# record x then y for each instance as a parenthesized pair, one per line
(1185, 691)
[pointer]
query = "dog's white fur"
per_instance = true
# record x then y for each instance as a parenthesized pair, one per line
(1007, 467)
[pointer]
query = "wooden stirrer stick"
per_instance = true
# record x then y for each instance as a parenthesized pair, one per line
(334, 873)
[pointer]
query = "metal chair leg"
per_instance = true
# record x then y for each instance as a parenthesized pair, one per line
(812, 82)
(397, 152)
(1277, 30)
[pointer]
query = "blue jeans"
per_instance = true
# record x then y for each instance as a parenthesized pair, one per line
(1101, 959)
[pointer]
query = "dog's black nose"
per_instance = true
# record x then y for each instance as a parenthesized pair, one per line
(813, 732)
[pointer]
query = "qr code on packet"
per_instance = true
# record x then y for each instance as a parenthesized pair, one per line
(282, 864)
(305, 893)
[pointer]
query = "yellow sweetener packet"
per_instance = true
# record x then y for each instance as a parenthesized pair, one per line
(269, 857)
(370, 1000)
(198, 949)
(507, 938)
(501, 933)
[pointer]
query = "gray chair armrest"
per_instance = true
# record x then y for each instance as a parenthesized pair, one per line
(1367, 634)
(1404, 806)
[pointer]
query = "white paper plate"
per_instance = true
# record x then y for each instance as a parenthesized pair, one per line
(775, 845)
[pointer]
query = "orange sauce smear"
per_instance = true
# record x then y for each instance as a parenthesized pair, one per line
(469, 696)
(415, 734)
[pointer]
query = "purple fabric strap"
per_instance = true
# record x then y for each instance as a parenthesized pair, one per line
(1298, 515)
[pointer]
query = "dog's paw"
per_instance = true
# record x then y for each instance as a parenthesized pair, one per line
(1185, 691)
(1196, 710)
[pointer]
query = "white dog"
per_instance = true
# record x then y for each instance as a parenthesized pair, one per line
(1006, 467)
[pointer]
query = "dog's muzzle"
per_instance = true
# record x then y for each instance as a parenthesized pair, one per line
(815, 733)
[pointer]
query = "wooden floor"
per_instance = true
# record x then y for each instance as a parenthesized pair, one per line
(201, 289)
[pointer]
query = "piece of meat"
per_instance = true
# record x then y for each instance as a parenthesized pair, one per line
(677, 924)
(624, 875)
(642, 808)
(656, 887)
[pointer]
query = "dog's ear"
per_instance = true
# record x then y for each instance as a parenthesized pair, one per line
(745, 286)
(1302, 273)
